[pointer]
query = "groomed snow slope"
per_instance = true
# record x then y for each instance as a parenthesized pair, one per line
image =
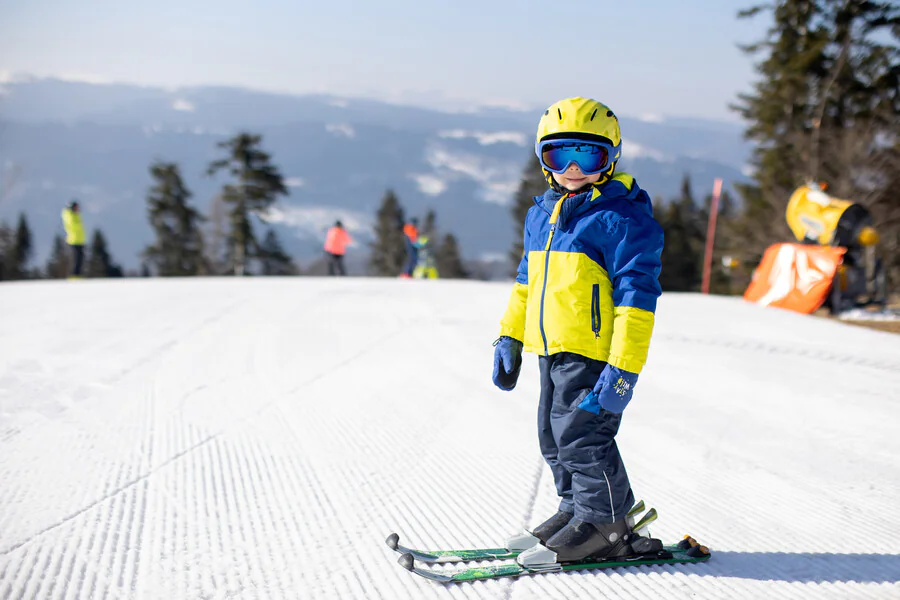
(259, 438)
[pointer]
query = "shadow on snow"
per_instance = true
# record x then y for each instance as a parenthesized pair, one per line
(802, 567)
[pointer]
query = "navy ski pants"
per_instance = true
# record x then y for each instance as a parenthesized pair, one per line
(77, 259)
(579, 446)
(412, 258)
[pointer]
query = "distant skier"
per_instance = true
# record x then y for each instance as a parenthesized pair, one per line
(336, 241)
(71, 218)
(584, 301)
(426, 266)
(411, 237)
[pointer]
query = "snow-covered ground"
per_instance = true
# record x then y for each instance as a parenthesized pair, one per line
(259, 438)
(862, 314)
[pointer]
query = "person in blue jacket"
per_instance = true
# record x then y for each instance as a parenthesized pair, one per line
(584, 300)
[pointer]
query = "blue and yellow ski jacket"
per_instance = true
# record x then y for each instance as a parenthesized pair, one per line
(589, 277)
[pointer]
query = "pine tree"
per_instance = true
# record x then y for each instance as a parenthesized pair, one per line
(680, 264)
(15, 250)
(22, 249)
(7, 243)
(273, 259)
(178, 250)
(532, 184)
(389, 248)
(682, 254)
(257, 186)
(778, 114)
(826, 107)
(57, 266)
(98, 262)
(448, 259)
(885, 207)
(429, 227)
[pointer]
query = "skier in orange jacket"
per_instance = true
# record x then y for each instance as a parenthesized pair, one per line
(411, 237)
(336, 242)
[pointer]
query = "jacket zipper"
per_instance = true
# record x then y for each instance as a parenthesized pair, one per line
(595, 309)
(544, 290)
(553, 217)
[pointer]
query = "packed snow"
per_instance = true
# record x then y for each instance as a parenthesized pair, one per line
(261, 437)
(862, 314)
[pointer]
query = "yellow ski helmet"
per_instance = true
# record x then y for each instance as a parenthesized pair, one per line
(580, 115)
(584, 119)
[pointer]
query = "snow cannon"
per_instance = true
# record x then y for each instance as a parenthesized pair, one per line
(833, 263)
(817, 218)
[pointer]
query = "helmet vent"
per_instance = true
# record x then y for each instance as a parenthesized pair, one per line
(609, 113)
(593, 114)
(559, 112)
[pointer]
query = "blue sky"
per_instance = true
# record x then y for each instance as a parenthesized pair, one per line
(647, 57)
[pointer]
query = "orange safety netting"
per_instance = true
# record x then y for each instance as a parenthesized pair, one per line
(795, 276)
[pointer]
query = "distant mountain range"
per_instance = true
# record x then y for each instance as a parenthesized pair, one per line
(61, 140)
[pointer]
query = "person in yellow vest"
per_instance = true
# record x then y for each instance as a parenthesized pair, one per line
(71, 218)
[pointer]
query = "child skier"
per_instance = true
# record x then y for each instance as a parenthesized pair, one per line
(426, 266)
(584, 301)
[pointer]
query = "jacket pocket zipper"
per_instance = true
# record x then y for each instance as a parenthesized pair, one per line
(595, 309)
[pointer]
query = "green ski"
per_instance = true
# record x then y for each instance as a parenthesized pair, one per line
(686, 551)
(477, 554)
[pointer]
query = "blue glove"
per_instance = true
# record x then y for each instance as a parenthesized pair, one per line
(507, 362)
(612, 392)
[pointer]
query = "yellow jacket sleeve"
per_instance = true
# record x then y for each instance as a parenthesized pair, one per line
(513, 322)
(632, 329)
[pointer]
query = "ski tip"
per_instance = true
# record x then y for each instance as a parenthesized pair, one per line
(698, 551)
(406, 561)
(693, 548)
(393, 541)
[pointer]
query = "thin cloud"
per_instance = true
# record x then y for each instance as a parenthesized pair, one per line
(183, 105)
(341, 129)
(430, 185)
(487, 139)
(312, 222)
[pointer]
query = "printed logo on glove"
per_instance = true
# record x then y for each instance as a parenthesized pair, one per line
(622, 387)
(612, 392)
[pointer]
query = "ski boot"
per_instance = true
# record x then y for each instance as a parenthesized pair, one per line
(551, 526)
(540, 534)
(580, 540)
(548, 528)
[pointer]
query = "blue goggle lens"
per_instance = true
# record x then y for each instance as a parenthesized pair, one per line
(590, 158)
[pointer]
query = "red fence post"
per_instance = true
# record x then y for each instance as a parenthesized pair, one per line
(711, 234)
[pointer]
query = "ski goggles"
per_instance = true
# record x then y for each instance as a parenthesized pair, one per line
(591, 157)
